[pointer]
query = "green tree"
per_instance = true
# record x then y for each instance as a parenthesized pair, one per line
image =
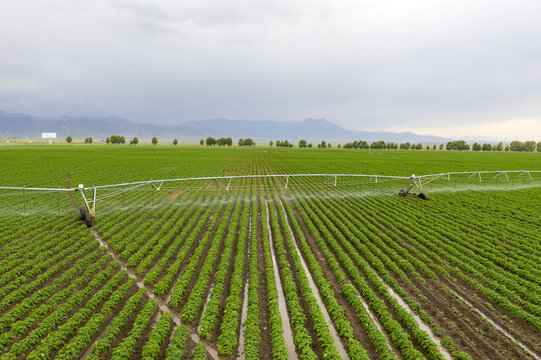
(476, 147)
(405, 146)
(134, 141)
(210, 141)
(241, 142)
(529, 146)
(116, 139)
(441, 146)
(154, 140)
(378, 145)
(309, 145)
(329, 145)
(69, 139)
(175, 142)
(107, 140)
(201, 142)
(499, 147)
(459, 145)
(486, 147)
(539, 146)
(516, 146)
(271, 143)
(303, 144)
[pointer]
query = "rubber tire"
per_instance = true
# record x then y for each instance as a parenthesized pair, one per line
(85, 216)
(422, 196)
(402, 193)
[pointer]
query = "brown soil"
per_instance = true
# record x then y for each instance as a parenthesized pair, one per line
(201, 259)
(227, 282)
(458, 320)
(173, 195)
(107, 321)
(265, 344)
(351, 314)
(75, 310)
(144, 338)
(514, 326)
(125, 329)
(390, 308)
(200, 235)
(309, 324)
(166, 248)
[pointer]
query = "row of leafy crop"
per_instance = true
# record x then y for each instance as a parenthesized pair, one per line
(492, 211)
(179, 247)
(81, 247)
(342, 324)
(214, 310)
(229, 327)
(303, 340)
(176, 255)
(46, 252)
(386, 211)
(34, 307)
(405, 317)
(58, 314)
(252, 333)
(376, 338)
(437, 241)
(351, 230)
(206, 252)
(487, 241)
(349, 292)
(518, 288)
(453, 251)
(516, 258)
(227, 230)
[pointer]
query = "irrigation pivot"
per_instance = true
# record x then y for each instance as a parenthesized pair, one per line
(416, 187)
(414, 183)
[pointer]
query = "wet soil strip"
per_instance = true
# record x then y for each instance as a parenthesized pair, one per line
(243, 315)
(341, 350)
(380, 328)
(211, 351)
(163, 307)
(205, 306)
(287, 332)
(496, 326)
(421, 323)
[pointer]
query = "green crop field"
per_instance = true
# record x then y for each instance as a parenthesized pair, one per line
(269, 267)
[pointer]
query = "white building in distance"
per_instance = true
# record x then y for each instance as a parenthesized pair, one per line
(48, 135)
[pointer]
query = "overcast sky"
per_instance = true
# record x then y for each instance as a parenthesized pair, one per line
(446, 67)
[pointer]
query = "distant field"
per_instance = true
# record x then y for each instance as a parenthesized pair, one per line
(265, 272)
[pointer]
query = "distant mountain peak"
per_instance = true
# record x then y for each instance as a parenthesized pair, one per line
(311, 129)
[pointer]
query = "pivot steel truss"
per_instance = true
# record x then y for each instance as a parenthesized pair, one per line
(329, 179)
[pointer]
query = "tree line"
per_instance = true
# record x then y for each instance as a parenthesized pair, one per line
(457, 145)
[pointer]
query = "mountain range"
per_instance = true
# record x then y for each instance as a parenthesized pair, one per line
(22, 126)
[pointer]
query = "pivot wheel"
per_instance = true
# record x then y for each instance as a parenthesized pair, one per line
(85, 216)
(402, 193)
(422, 196)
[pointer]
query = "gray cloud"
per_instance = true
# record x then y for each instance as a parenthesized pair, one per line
(402, 65)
